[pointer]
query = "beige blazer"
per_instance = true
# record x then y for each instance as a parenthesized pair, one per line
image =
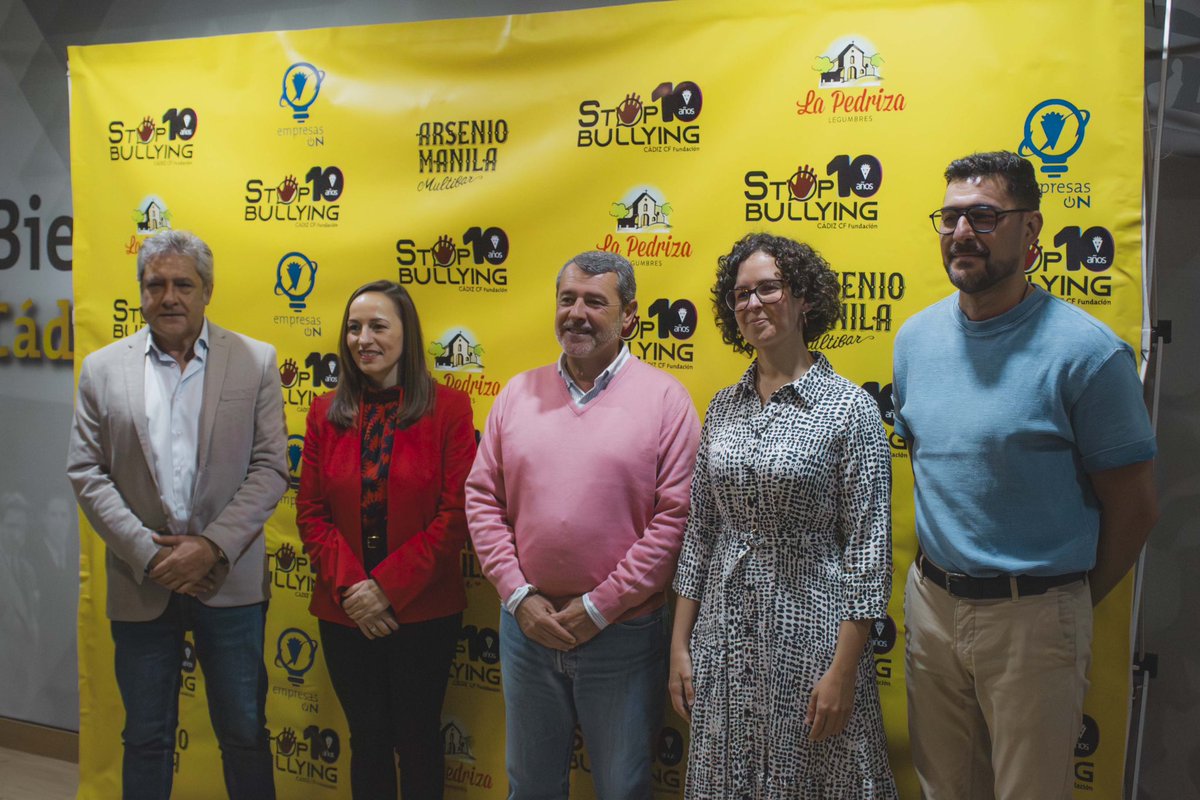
(241, 471)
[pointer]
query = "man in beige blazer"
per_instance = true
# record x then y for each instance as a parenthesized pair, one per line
(178, 457)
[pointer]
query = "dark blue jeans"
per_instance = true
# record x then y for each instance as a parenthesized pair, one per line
(229, 646)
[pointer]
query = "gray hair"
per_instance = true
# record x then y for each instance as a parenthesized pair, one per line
(598, 262)
(184, 243)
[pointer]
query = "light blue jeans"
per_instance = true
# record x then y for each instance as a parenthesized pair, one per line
(614, 686)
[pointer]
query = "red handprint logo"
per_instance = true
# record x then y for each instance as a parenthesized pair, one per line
(287, 189)
(443, 251)
(145, 131)
(285, 742)
(803, 183)
(288, 372)
(285, 557)
(630, 109)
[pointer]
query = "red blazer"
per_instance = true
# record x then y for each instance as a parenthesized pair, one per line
(426, 526)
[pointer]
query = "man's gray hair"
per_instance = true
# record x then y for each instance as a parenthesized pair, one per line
(184, 243)
(598, 262)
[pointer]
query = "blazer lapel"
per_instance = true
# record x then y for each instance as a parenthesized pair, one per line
(214, 378)
(135, 384)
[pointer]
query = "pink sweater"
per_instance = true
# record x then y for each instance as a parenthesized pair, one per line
(588, 499)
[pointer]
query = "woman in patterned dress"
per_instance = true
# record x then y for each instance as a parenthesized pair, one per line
(380, 511)
(787, 556)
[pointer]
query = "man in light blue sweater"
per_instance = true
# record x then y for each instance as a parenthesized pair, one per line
(1031, 453)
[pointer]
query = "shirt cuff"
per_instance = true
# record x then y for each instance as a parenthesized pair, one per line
(514, 599)
(596, 616)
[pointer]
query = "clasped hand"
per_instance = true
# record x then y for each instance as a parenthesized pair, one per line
(184, 564)
(369, 609)
(559, 629)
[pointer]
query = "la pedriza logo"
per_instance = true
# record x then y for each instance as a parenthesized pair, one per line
(851, 72)
(643, 216)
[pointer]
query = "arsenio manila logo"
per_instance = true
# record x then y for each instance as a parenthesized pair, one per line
(461, 150)
(477, 659)
(643, 215)
(165, 137)
(1053, 132)
(300, 386)
(663, 338)
(310, 758)
(851, 69)
(295, 654)
(842, 199)
(1077, 268)
(309, 203)
(476, 264)
(458, 745)
(664, 122)
(291, 571)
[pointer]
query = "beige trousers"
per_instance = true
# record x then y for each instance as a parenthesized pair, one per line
(995, 690)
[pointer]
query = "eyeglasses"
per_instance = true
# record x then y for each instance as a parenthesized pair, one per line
(767, 291)
(982, 219)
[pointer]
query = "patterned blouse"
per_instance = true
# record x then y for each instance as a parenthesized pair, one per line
(379, 410)
(788, 535)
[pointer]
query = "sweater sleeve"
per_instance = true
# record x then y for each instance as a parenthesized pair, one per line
(487, 508)
(649, 564)
(337, 566)
(410, 568)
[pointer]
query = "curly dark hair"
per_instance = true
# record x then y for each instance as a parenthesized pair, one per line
(805, 272)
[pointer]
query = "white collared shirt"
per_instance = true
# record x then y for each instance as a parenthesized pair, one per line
(581, 397)
(173, 401)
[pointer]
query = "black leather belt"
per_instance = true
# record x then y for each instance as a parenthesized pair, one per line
(998, 587)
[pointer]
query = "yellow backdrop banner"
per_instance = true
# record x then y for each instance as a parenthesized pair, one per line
(469, 159)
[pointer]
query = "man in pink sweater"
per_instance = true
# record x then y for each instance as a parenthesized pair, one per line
(577, 504)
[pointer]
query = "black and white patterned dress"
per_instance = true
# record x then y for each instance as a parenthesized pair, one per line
(789, 534)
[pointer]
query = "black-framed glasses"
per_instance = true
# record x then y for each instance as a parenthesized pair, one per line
(767, 291)
(982, 219)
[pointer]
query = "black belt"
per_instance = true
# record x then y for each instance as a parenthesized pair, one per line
(998, 587)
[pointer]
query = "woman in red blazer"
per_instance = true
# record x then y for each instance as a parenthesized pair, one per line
(380, 511)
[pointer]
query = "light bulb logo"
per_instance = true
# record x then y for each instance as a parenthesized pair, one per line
(301, 85)
(1054, 131)
(293, 281)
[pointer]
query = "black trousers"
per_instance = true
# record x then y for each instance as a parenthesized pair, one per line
(391, 690)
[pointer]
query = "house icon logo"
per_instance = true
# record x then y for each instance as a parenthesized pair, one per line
(457, 352)
(642, 210)
(850, 61)
(457, 742)
(151, 215)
